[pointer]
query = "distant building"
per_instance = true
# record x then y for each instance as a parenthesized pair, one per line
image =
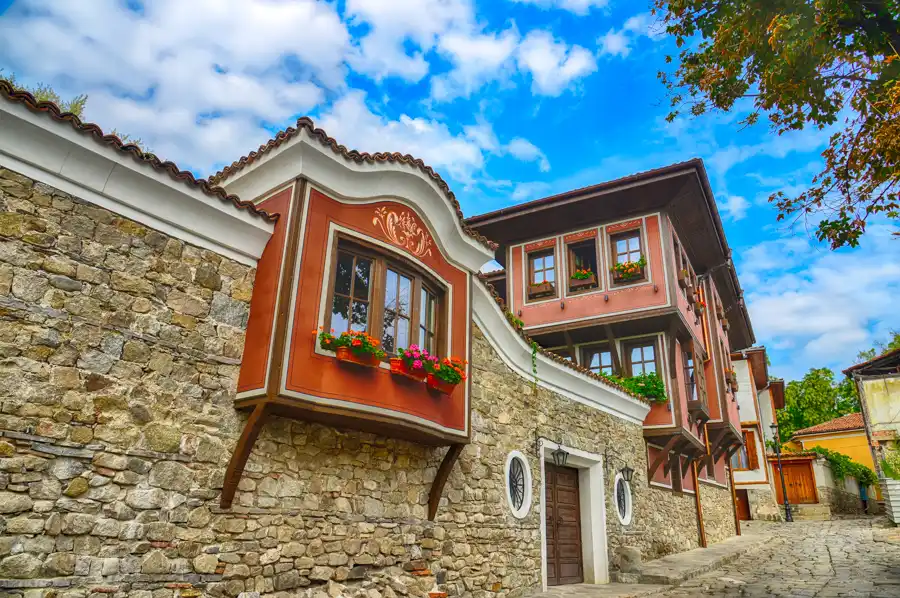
(878, 384)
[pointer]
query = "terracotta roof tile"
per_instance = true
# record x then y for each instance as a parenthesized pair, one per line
(306, 124)
(12, 94)
(852, 421)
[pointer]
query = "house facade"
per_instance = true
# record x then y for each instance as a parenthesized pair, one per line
(179, 417)
(878, 384)
(758, 396)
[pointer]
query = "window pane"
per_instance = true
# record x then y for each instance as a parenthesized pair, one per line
(548, 261)
(423, 309)
(390, 291)
(402, 332)
(359, 316)
(595, 362)
(549, 275)
(403, 299)
(622, 246)
(538, 277)
(636, 369)
(343, 273)
(634, 256)
(361, 286)
(340, 310)
(650, 367)
(635, 354)
(605, 358)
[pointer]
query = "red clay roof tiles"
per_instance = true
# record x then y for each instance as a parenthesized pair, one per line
(12, 94)
(852, 421)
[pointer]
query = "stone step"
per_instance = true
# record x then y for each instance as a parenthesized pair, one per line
(814, 512)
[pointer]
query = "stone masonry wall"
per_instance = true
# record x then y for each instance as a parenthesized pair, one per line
(119, 353)
(718, 512)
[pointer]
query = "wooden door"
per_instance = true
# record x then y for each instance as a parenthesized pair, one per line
(742, 502)
(801, 485)
(564, 564)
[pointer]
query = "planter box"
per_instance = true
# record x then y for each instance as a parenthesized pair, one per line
(436, 384)
(890, 490)
(684, 280)
(580, 284)
(622, 277)
(345, 355)
(542, 289)
(399, 368)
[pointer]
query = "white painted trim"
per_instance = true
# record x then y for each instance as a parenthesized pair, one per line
(522, 512)
(592, 500)
(516, 354)
(629, 503)
(56, 154)
(305, 156)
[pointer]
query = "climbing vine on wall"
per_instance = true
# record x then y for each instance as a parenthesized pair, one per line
(842, 466)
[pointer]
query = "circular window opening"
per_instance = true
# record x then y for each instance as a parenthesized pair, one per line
(518, 484)
(623, 499)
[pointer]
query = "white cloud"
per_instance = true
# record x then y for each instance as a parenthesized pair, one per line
(615, 43)
(618, 42)
(528, 152)
(824, 306)
(735, 207)
(190, 79)
(579, 7)
(477, 58)
(530, 190)
(393, 24)
(553, 64)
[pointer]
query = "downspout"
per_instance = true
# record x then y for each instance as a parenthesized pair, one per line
(700, 523)
(737, 522)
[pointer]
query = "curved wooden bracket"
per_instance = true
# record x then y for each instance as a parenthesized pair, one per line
(242, 453)
(440, 479)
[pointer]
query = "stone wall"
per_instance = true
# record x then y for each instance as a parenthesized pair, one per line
(718, 512)
(763, 505)
(119, 353)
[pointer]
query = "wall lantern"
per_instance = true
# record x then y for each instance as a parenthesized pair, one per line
(559, 456)
(627, 474)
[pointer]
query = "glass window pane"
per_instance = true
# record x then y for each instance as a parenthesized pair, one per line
(538, 277)
(549, 275)
(403, 332)
(648, 353)
(548, 261)
(343, 273)
(340, 310)
(606, 358)
(361, 285)
(595, 361)
(359, 316)
(636, 369)
(650, 367)
(423, 309)
(390, 290)
(635, 354)
(622, 246)
(634, 256)
(403, 299)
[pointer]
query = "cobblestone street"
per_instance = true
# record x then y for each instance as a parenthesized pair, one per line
(851, 557)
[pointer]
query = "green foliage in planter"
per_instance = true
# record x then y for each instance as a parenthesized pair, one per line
(649, 386)
(842, 466)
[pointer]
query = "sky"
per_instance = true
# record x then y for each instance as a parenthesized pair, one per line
(509, 100)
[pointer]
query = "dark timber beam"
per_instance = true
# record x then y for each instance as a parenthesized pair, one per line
(617, 365)
(242, 452)
(573, 353)
(661, 458)
(440, 479)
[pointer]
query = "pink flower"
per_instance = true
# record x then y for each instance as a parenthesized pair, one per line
(407, 354)
(414, 347)
(417, 364)
(416, 354)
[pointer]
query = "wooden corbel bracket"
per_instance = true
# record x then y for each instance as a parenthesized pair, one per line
(242, 452)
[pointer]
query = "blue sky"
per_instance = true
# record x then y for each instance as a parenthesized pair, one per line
(509, 100)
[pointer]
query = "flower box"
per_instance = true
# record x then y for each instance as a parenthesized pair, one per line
(439, 385)
(626, 277)
(540, 289)
(691, 294)
(684, 280)
(346, 355)
(399, 368)
(579, 284)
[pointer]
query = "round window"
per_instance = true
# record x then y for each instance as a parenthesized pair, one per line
(518, 484)
(623, 499)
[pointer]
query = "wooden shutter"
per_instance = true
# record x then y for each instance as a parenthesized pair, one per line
(750, 444)
(700, 379)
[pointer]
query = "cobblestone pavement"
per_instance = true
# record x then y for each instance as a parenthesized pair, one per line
(847, 557)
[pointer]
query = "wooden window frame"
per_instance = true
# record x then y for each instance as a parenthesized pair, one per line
(589, 350)
(749, 449)
(530, 257)
(570, 265)
(691, 387)
(630, 344)
(381, 260)
(614, 255)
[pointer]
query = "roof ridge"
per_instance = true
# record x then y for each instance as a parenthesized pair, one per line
(304, 123)
(20, 96)
(835, 425)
